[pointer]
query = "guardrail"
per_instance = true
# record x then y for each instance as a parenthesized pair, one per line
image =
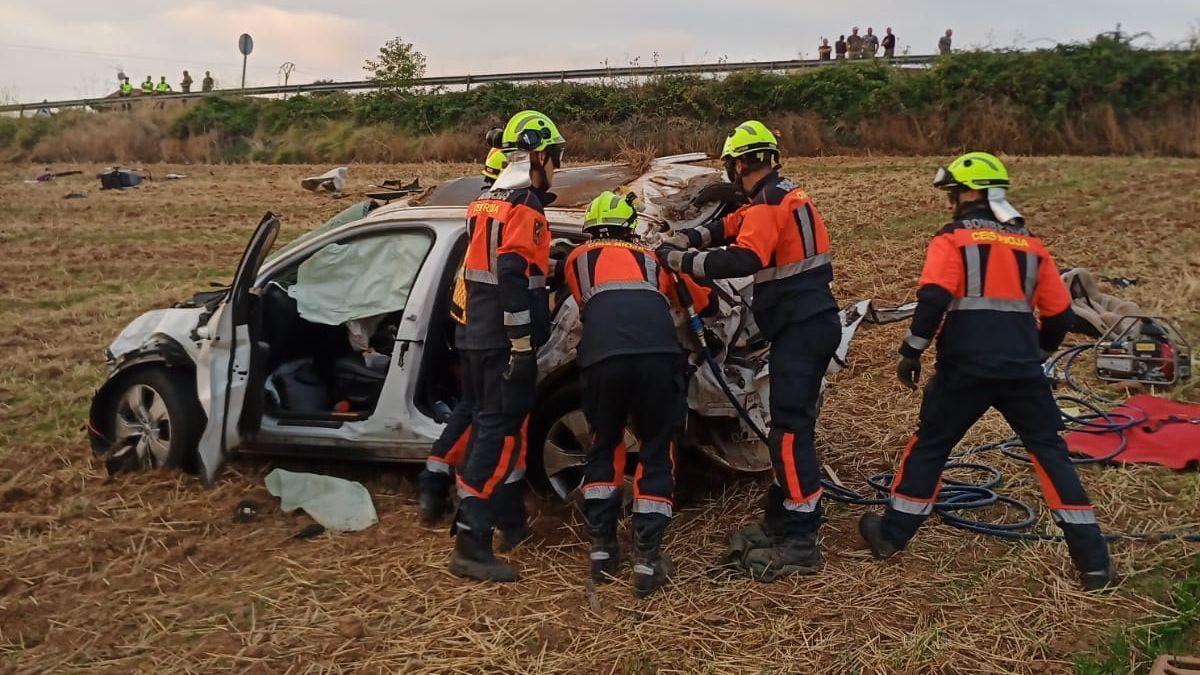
(109, 102)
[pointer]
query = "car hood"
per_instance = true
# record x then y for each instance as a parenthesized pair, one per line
(148, 330)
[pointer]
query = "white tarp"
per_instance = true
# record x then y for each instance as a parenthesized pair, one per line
(340, 505)
(360, 279)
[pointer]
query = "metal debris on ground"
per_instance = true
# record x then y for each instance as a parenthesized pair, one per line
(333, 180)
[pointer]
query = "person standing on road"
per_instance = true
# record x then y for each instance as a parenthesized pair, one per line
(840, 48)
(148, 86)
(824, 50)
(206, 84)
(163, 87)
(126, 91)
(185, 85)
(889, 44)
(630, 357)
(871, 42)
(854, 44)
(944, 42)
(985, 277)
(507, 319)
(780, 239)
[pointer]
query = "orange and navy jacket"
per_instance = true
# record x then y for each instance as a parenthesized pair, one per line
(987, 280)
(780, 238)
(625, 297)
(505, 269)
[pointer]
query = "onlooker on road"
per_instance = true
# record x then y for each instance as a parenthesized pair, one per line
(889, 44)
(126, 87)
(944, 42)
(871, 42)
(148, 86)
(824, 50)
(185, 85)
(840, 47)
(207, 83)
(855, 44)
(163, 87)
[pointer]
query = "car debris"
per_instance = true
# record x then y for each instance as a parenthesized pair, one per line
(116, 178)
(333, 180)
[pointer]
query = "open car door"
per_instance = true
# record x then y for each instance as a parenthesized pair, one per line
(229, 356)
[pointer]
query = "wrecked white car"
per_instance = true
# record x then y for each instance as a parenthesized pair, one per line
(339, 345)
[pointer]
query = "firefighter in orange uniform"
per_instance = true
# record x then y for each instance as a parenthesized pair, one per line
(507, 319)
(630, 358)
(450, 448)
(780, 239)
(986, 284)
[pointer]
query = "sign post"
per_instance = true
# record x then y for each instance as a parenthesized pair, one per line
(245, 46)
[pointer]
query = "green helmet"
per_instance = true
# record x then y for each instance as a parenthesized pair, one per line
(974, 171)
(530, 130)
(749, 137)
(494, 164)
(611, 210)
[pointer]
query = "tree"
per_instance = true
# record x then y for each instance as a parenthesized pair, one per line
(398, 65)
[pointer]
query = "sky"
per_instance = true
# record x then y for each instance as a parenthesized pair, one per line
(59, 49)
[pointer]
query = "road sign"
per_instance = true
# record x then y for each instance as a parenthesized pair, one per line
(245, 46)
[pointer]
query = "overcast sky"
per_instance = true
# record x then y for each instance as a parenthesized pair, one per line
(72, 48)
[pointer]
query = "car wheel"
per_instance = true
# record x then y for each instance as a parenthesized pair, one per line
(154, 421)
(559, 441)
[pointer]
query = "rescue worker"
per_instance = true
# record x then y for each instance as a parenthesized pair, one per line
(126, 88)
(507, 319)
(985, 276)
(450, 448)
(148, 86)
(629, 354)
(778, 237)
(163, 87)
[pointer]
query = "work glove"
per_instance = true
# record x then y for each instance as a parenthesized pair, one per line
(678, 240)
(909, 371)
(728, 193)
(670, 256)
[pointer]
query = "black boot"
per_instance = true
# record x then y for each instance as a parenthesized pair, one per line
(433, 496)
(773, 511)
(1089, 552)
(472, 557)
(870, 526)
(793, 550)
(651, 567)
(605, 556)
(1101, 579)
(509, 502)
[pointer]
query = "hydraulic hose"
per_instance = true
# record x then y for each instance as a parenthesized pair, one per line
(957, 497)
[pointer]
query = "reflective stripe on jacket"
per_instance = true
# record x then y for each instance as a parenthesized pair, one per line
(505, 269)
(987, 280)
(625, 297)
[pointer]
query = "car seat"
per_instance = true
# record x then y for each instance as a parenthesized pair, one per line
(358, 383)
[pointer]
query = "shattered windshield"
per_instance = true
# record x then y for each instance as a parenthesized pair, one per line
(347, 215)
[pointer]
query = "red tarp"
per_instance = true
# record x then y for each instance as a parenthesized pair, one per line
(1173, 444)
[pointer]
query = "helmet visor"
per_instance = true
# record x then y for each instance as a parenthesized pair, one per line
(943, 178)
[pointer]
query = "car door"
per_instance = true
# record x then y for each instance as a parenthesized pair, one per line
(228, 357)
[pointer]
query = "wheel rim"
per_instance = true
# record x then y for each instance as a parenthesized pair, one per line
(565, 452)
(143, 424)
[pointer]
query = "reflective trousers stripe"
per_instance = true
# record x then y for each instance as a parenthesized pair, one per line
(917, 342)
(436, 466)
(644, 505)
(600, 491)
(910, 506)
(1075, 516)
(537, 281)
(809, 505)
(591, 291)
(792, 269)
(990, 304)
(515, 475)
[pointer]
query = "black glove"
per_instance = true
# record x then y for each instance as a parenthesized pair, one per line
(520, 364)
(677, 240)
(909, 371)
(670, 256)
(561, 249)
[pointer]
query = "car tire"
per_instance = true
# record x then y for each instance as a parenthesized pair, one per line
(154, 419)
(558, 443)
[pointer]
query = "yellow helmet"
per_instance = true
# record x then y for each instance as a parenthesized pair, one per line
(494, 164)
(749, 137)
(974, 171)
(611, 210)
(529, 130)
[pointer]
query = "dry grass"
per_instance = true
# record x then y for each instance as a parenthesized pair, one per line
(149, 573)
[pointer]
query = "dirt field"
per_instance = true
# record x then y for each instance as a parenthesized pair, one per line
(148, 572)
